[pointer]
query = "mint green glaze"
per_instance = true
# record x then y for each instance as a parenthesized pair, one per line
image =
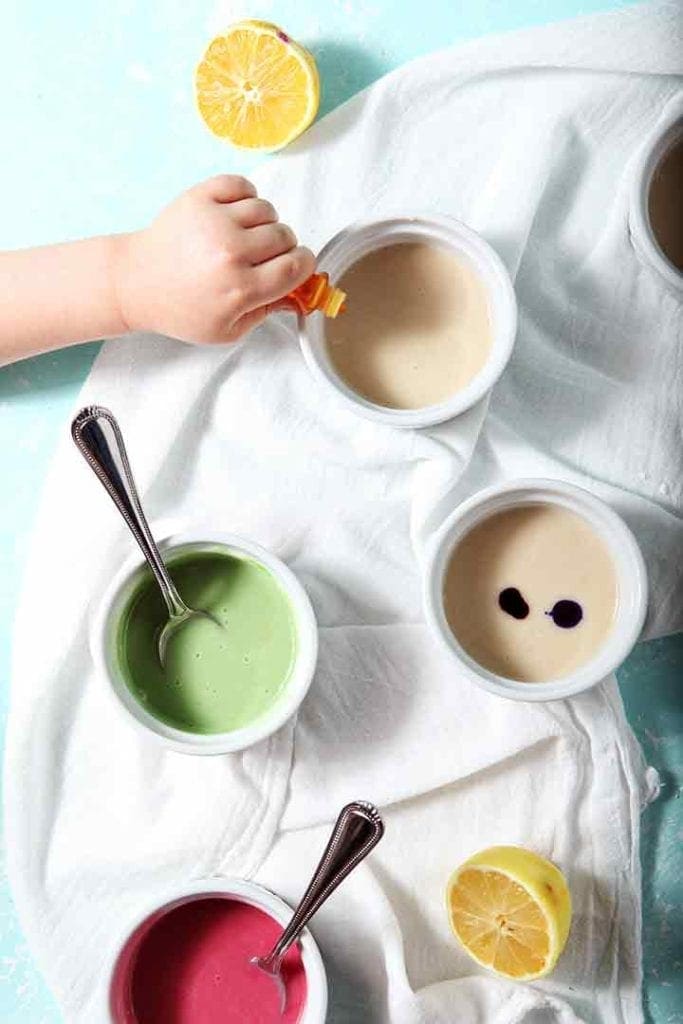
(216, 678)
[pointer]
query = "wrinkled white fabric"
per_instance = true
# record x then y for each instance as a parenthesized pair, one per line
(528, 138)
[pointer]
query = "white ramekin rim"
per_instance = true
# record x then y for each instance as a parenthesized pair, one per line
(315, 1007)
(668, 128)
(365, 236)
(101, 626)
(628, 562)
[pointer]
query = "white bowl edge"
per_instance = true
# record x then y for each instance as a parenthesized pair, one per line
(648, 157)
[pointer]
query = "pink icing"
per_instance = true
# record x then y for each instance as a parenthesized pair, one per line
(191, 966)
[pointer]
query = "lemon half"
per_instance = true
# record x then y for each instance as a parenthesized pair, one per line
(511, 910)
(256, 87)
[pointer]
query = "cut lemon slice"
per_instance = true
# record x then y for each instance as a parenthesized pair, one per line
(511, 910)
(256, 87)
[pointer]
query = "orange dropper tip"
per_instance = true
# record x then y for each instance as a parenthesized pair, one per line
(316, 293)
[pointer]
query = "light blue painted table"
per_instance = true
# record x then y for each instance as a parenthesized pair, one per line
(98, 131)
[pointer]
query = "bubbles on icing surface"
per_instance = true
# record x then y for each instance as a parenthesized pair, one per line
(205, 686)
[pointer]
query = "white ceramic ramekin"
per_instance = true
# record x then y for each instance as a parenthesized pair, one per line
(628, 563)
(114, 1005)
(666, 132)
(356, 241)
(103, 647)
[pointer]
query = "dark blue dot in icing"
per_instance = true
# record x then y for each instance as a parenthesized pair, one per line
(566, 613)
(512, 602)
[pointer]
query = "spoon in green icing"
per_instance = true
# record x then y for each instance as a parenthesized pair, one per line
(98, 437)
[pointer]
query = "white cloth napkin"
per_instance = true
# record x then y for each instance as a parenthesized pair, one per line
(527, 137)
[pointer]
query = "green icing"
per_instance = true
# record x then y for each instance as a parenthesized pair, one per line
(217, 677)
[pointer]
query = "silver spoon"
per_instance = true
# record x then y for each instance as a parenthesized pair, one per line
(99, 439)
(358, 829)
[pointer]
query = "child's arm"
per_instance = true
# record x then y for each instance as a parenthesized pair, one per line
(57, 295)
(210, 267)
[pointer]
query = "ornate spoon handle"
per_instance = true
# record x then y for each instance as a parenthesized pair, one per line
(358, 829)
(98, 437)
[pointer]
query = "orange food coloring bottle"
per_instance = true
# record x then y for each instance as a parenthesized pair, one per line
(316, 293)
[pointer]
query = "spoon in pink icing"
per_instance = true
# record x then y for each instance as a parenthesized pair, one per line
(358, 829)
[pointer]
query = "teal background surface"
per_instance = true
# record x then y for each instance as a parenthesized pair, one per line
(99, 130)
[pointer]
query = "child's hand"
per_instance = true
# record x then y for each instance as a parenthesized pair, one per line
(210, 267)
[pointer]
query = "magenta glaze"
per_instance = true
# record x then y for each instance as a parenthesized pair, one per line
(188, 963)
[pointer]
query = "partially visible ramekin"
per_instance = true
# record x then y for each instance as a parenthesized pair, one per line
(103, 647)
(666, 132)
(628, 564)
(114, 1005)
(358, 240)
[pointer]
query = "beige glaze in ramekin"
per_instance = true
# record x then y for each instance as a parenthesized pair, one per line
(667, 131)
(628, 563)
(357, 241)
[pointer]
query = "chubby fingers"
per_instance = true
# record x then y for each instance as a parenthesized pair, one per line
(225, 188)
(276, 277)
(252, 212)
(266, 241)
(265, 286)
